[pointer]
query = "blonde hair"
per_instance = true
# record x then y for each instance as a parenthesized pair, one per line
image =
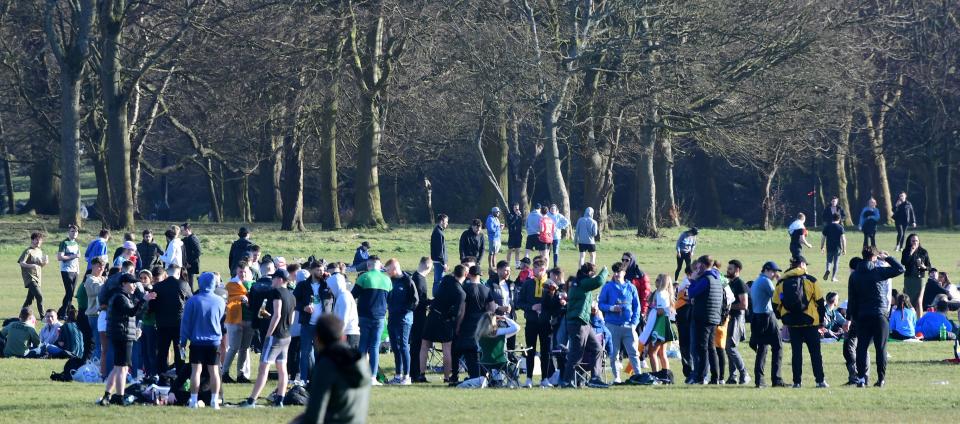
(664, 284)
(487, 327)
(176, 230)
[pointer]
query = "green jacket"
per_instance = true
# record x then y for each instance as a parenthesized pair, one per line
(20, 337)
(580, 297)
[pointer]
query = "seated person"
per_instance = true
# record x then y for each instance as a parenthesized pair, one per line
(932, 289)
(20, 335)
(492, 333)
(929, 325)
(951, 288)
(69, 343)
(903, 319)
(51, 328)
(360, 257)
(833, 320)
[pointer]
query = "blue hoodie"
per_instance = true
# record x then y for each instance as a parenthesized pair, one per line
(203, 315)
(625, 295)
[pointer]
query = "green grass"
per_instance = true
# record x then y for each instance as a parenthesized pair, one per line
(913, 392)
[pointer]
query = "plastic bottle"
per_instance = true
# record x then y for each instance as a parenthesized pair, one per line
(943, 331)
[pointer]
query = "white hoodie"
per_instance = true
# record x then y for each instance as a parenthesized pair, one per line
(345, 306)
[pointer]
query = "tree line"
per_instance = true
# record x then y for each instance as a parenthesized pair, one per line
(364, 112)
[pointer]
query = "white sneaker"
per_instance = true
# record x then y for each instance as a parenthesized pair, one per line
(192, 405)
(643, 364)
(395, 380)
(528, 384)
(617, 380)
(216, 406)
(545, 384)
(374, 382)
(406, 381)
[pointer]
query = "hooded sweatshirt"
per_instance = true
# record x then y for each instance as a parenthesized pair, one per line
(203, 315)
(625, 295)
(533, 223)
(345, 306)
(339, 388)
(587, 229)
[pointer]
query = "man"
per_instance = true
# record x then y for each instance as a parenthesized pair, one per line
(172, 294)
(239, 248)
(834, 208)
(835, 242)
(903, 217)
(477, 302)
(419, 278)
(97, 249)
(764, 329)
(686, 245)
(202, 322)
(537, 325)
(402, 301)
(620, 305)
(472, 241)
(799, 302)
(869, 219)
(587, 234)
(501, 292)
(148, 251)
(560, 223)
(933, 324)
(371, 294)
(239, 323)
(68, 254)
(548, 231)
(191, 253)
(360, 257)
(736, 325)
(533, 231)
(515, 234)
(31, 262)
(582, 338)
(932, 289)
(438, 250)
(869, 307)
(21, 337)
(277, 340)
(798, 235)
(706, 293)
(339, 388)
(446, 311)
(345, 306)
(313, 299)
(494, 228)
(850, 328)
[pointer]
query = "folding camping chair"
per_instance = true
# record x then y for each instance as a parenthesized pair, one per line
(506, 374)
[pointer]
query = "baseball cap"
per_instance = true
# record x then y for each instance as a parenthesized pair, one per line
(797, 260)
(281, 273)
(495, 210)
(771, 266)
(525, 261)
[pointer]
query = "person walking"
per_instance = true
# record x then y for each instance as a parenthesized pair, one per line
(402, 301)
(764, 328)
(371, 294)
(313, 298)
(276, 343)
(68, 254)
(587, 234)
(202, 324)
(686, 245)
(472, 242)
(582, 340)
(515, 223)
(239, 249)
(191, 253)
(834, 243)
(706, 294)
(31, 262)
(736, 324)
(417, 374)
(833, 208)
(868, 308)
(494, 228)
(799, 302)
(916, 260)
(903, 217)
(869, 219)
(560, 223)
(148, 251)
(798, 235)
(438, 250)
(620, 305)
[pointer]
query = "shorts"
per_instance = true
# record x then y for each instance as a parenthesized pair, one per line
(122, 352)
(495, 245)
(102, 322)
(533, 242)
(274, 350)
(204, 355)
(587, 248)
(515, 241)
(437, 330)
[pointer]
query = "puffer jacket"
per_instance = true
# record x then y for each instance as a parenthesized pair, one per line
(707, 294)
(122, 316)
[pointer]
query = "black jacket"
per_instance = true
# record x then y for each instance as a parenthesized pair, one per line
(527, 298)
(172, 294)
(420, 283)
(438, 247)
(867, 289)
(472, 244)
(903, 214)
(191, 254)
(122, 316)
(303, 293)
(931, 291)
(238, 249)
(403, 297)
(515, 223)
(257, 295)
(149, 254)
(340, 387)
(496, 291)
(828, 211)
(911, 263)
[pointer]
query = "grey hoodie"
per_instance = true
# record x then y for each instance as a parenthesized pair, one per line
(587, 229)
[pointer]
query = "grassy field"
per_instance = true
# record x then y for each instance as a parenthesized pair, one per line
(916, 378)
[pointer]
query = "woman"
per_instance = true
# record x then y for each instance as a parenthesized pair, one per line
(916, 260)
(124, 307)
(663, 333)
(173, 256)
(148, 329)
(69, 342)
(904, 217)
(492, 334)
(903, 320)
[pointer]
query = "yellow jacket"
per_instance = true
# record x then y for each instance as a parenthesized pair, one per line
(816, 307)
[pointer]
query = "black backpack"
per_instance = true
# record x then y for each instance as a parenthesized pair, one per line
(297, 395)
(793, 296)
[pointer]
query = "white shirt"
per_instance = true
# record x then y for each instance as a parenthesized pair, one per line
(174, 253)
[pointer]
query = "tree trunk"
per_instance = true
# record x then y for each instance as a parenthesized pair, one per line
(70, 148)
(367, 208)
(269, 205)
(554, 174)
(115, 111)
(8, 188)
(216, 203)
(520, 164)
(840, 165)
(292, 183)
(708, 198)
(44, 187)
(664, 173)
(647, 184)
(876, 126)
(767, 206)
(948, 188)
(495, 151)
(329, 202)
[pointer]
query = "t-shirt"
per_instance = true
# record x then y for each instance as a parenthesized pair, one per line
(904, 321)
(833, 232)
(930, 324)
(448, 298)
(70, 247)
(738, 287)
(287, 303)
(32, 256)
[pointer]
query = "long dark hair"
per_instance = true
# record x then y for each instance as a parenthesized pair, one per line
(912, 235)
(903, 303)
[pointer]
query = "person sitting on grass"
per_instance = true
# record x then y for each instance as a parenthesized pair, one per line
(69, 343)
(930, 324)
(51, 328)
(833, 320)
(903, 319)
(20, 335)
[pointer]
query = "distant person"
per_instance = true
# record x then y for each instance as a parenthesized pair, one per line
(360, 257)
(870, 292)
(916, 261)
(191, 253)
(851, 336)
(583, 342)
(706, 293)
(173, 256)
(494, 229)
(402, 301)
(587, 234)
(239, 324)
(148, 251)
(477, 302)
(903, 319)
(736, 324)
(124, 307)
(798, 235)
(533, 232)
(903, 217)
(932, 289)
(20, 335)
(662, 300)
(446, 310)
(545, 237)
(371, 294)
(764, 327)
(171, 294)
(438, 250)
(68, 254)
(276, 342)
(515, 221)
(536, 326)
(239, 248)
(686, 246)
(799, 302)
(97, 249)
(869, 219)
(936, 325)
(313, 299)
(620, 305)
(834, 243)
(472, 241)
(119, 250)
(419, 278)
(32, 261)
(128, 253)
(202, 324)
(834, 208)
(69, 342)
(560, 223)
(92, 284)
(345, 306)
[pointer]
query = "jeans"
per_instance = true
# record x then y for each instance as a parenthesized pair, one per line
(556, 251)
(583, 344)
(136, 361)
(809, 336)
(736, 328)
(399, 328)
(437, 276)
(833, 261)
(370, 330)
(69, 289)
(306, 349)
(850, 353)
(148, 349)
(872, 329)
(623, 336)
(701, 335)
(92, 320)
(682, 259)
(764, 333)
(239, 337)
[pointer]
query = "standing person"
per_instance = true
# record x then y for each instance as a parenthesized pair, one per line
(148, 326)
(662, 300)
(533, 231)
(202, 324)
(148, 251)
(371, 294)
(173, 257)
(419, 278)
(764, 329)
(548, 229)
(587, 234)
(560, 223)
(515, 234)
(239, 248)
(171, 294)
(277, 341)
(737, 324)
(501, 292)
(834, 240)
(124, 307)
(834, 208)
(32, 261)
(869, 219)
(916, 260)
(345, 306)
(494, 229)
(799, 302)
(903, 217)
(850, 329)
(706, 293)
(537, 326)
(92, 285)
(869, 307)
(191, 253)
(477, 302)
(798, 235)
(620, 305)
(97, 249)
(340, 384)
(313, 298)
(472, 242)
(402, 300)
(686, 245)
(683, 310)
(438, 250)
(68, 254)
(446, 310)
(239, 323)
(582, 339)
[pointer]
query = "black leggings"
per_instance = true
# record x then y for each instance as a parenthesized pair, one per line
(533, 332)
(870, 239)
(683, 258)
(901, 234)
(69, 287)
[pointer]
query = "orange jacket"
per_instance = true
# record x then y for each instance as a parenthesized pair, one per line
(235, 293)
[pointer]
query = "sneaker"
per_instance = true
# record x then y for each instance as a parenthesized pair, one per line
(116, 400)
(248, 403)
(278, 403)
(861, 384)
(567, 385)
(617, 381)
(406, 381)
(780, 384)
(374, 382)
(528, 384)
(597, 383)
(879, 384)
(823, 385)
(395, 380)
(761, 385)
(731, 381)
(192, 405)
(420, 379)
(104, 401)
(545, 384)
(796, 385)
(744, 379)
(227, 379)
(835, 280)
(826, 275)
(242, 379)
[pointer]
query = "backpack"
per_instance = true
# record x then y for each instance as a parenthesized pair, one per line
(297, 395)
(793, 296)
